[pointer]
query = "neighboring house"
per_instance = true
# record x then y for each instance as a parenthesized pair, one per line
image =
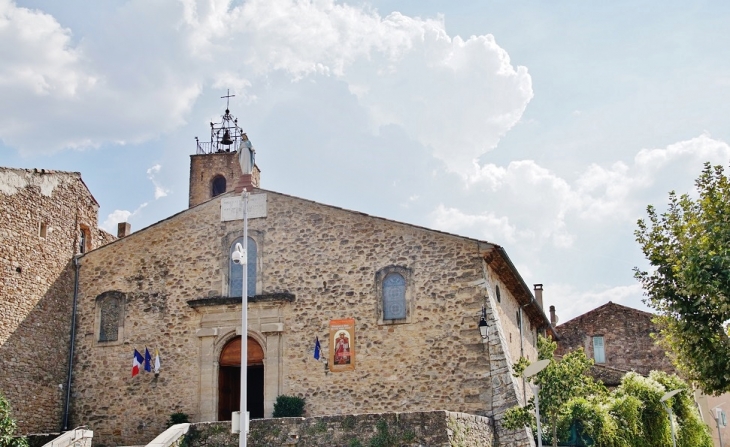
(620, 339)
(46, 217)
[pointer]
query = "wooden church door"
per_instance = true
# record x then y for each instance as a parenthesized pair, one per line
(229, 379)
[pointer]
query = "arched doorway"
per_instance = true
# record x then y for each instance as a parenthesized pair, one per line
(229, 379)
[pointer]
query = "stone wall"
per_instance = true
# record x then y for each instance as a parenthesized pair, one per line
(315, 263)
(205, 167)
(433, 429)
(626, 332)
(41, 217)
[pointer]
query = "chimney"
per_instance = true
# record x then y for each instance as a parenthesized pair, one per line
(538, 294)
(553, 317)
(123, 229)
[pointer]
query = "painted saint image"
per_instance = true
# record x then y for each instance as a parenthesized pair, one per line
(342, 348)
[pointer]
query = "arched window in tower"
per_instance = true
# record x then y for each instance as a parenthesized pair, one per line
(394, 297)
(218, 186)
(235, 271)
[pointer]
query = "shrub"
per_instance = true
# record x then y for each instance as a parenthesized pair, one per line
(177, 418)
(8, 427)
(288, 407)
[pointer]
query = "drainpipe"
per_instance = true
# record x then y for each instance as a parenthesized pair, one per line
(77, 266)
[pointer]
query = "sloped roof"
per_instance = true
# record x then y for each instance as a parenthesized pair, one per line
(608, 307)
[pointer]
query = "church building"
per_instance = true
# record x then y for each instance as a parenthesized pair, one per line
(395, 309)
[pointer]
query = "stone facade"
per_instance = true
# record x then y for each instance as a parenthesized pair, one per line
(433, 429)
(627, 335)
(42, 217)
(315, 263)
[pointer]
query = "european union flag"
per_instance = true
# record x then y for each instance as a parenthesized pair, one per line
(317, 348)
(147, 360)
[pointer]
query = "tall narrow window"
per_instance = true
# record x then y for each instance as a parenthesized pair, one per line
(235, 271)
(218, 186)
(599, 352)
(394, 297)
(84, 240)
(499, 296)
(110, 317)
(43, 229)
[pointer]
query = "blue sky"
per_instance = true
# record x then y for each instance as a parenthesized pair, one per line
(545, 127)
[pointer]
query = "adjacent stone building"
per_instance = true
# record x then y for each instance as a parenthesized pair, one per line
(617, 338)
(621, 339)
(46, 218)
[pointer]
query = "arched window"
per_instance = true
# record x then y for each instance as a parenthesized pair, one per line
(218, 186)
(235, 271)
(394, 297)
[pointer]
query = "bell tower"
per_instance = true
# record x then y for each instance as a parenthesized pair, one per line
(214, 168)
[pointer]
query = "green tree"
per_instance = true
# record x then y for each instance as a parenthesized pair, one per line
(8, 427)
(559, 382)
(688, 247)
(629, 416)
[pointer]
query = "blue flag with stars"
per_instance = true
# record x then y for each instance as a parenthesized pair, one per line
(317, 348)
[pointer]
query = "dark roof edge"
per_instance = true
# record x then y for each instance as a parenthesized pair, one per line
(610, 303)
(528, 293)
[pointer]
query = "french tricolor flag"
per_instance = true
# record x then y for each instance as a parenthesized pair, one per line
(137, 360)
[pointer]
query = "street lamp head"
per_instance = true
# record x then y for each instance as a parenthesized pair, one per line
(669, 395)
(483, 326)
(535, 368)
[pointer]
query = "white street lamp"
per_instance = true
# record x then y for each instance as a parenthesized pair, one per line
(240, 256)
(666, 396)
(720, 421)
(529, 372)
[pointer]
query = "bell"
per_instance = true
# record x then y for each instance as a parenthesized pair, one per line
(226, 138)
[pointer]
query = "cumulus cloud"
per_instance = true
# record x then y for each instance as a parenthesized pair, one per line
(456, 96)
(487, 225)
(557, 210)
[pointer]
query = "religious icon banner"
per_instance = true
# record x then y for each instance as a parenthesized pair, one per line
(342, 345)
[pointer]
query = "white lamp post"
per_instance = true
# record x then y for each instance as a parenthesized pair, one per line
(666, 396)
(240, 256)
(529, 372)
(719, 417)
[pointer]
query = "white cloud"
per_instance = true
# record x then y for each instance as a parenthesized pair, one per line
(111, 221)
(546, 207)
(456, 96)
(487, 225)
(159, 190)
(620, 191)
